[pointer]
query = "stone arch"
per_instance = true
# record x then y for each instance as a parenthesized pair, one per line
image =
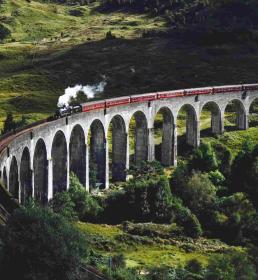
(253, 113)
(25, 176)
(5, 177)
(216, 124)
(77, 153)
(40, 168)
(119, 147)
(97, 155)
(14, 178)
(167, 125)
(236, 106)
(140, 137)
(59, 160)
(192, 125)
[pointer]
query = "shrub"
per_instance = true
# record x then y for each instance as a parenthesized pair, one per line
(189, 222)
(76, 13)
(231, 266)
(199, 192)
(204, 158)
(194, 266)
(63, 205)
(216, 177)
(110, 36)
(39, 244)
(85, 205)
(118, 261)
(244, 176)
(4, 32)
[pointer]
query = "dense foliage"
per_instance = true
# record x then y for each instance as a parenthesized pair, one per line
(220, 192)
(76, 203)
(38, 244)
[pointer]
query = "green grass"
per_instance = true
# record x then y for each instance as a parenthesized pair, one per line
(143, 251)
(49, 50)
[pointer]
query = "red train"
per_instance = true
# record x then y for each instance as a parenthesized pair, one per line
(124, 100)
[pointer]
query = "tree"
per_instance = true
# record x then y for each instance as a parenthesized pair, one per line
(230, 267)
(244, 176)
(39, 244)
(63, 205)
(4, 32)
(9, 123)
(204, 158)
(86, 206)
(199, 192)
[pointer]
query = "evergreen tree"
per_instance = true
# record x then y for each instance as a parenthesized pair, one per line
(9, 123)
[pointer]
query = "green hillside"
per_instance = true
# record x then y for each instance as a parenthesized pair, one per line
(52, 46)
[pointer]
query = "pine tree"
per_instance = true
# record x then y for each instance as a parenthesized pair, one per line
(9, 123)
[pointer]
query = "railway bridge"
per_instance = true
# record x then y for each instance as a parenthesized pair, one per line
(37, 161)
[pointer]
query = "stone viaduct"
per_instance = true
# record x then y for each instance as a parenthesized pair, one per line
(38, 163)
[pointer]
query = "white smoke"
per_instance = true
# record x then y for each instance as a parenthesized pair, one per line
(89, 91)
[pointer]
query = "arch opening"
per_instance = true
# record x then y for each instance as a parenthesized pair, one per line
(235, 116)
(25, 176)
(117, 148)
(253, 113)
(5, 177)
(13, 178)
(138, 133)
(210, 120)
(164, 134)
(77, 153)
(40, 167)
(97, 155)
(187, 129)
(59, 158)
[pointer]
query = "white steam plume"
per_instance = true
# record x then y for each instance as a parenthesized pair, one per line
(89, 91)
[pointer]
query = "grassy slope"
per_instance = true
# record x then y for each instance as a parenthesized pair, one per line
(144, 251)
(52, 50)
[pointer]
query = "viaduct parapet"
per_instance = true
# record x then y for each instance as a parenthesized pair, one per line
(38, 162)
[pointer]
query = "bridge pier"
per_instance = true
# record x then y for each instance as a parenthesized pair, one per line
(217, 123)
(87, 169)
(174, 139)
(50, 179)
(242, 121)
(127, 162)
(192, 130)
(106, 164)
(151, 145)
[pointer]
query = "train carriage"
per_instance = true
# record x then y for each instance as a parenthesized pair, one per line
(143, 97)
(112, 102)
(95, 105)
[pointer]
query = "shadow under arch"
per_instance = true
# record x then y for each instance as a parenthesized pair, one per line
(253, 113)
(164, 130)
(138, 130)
(214, 125)
(187, 128)
(5, 177)
(77, 153)
(25, 176)
(40, 167)
(235, 116)
(14, 179)
(59, 158)
(118, 148)
(97, 155)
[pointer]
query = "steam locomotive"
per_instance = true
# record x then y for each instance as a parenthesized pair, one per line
(65, 111)
(114, 102)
